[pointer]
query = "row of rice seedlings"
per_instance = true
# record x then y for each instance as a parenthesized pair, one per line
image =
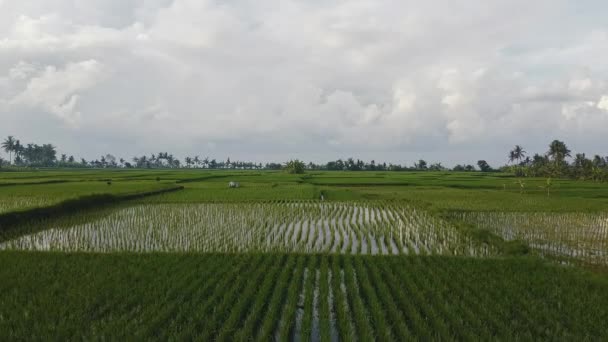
(416, 286)
(221, 307)
(445, 303)
(363, 326)
(582, 236)
(286, 324)
(308, 227)
(345, 325)
(383, 331)
(406, 301)
(235, 308)
(204, 318)
(482, 323)
(270, 319)
(305, 331)
(388, 303)
(12, 203)
(250, 304)
(296, 328)
(327, 326)
(152, 321)
(315, 333)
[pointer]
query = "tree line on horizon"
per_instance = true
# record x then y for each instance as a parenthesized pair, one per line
(553, 163)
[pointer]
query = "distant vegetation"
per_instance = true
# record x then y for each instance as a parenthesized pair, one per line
(554, 163)
(295, 166)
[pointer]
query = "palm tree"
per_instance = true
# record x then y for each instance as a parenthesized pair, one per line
(598, 161)
(517, 153)
(558, 151)
(9, 145)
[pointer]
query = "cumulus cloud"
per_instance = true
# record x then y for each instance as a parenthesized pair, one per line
(56, 91)
(393, 80)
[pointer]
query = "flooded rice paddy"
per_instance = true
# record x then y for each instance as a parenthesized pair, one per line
(309, 227)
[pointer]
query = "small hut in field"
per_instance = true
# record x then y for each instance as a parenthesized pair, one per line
(234, 184)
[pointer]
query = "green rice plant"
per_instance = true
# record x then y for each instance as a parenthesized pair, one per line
(306, 330)
(361, 316)
(580, 236)
(345, 327)
(287, 321)
(249, 304)
(324, 301)
(377, 313)
(270, 318)
(394, 315)
(212, 315)
(413, 302)
(126, 296)
(308, 227)
(153, 320)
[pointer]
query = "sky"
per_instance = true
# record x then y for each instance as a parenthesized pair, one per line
(394, 81)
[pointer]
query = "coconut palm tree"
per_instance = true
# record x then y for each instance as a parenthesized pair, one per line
(598, 161)
(558, 151)
(9, 145)
(518, 153)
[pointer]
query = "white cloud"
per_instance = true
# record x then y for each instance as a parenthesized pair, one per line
(318, 79)
(57, 90)
(603, 103)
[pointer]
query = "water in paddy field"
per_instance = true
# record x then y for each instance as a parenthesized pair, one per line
(582, 236)
(297, 331)
(316, 330)
(304, 227)
(332, 314)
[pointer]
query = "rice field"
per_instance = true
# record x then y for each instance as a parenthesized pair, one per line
(28, 196)
(298, 227)
(328, 256)
(8, 204)
(291, 297)
(582, 236)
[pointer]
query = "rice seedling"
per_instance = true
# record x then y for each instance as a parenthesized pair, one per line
(303, 227)
(582, 236)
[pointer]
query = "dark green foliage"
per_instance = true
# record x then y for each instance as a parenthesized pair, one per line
(164, 296)
(295, 167)
(9, 222)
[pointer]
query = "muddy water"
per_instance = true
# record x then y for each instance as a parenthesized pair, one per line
(374, 245)
(316, 332)
(297, 331)
(332, 315)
